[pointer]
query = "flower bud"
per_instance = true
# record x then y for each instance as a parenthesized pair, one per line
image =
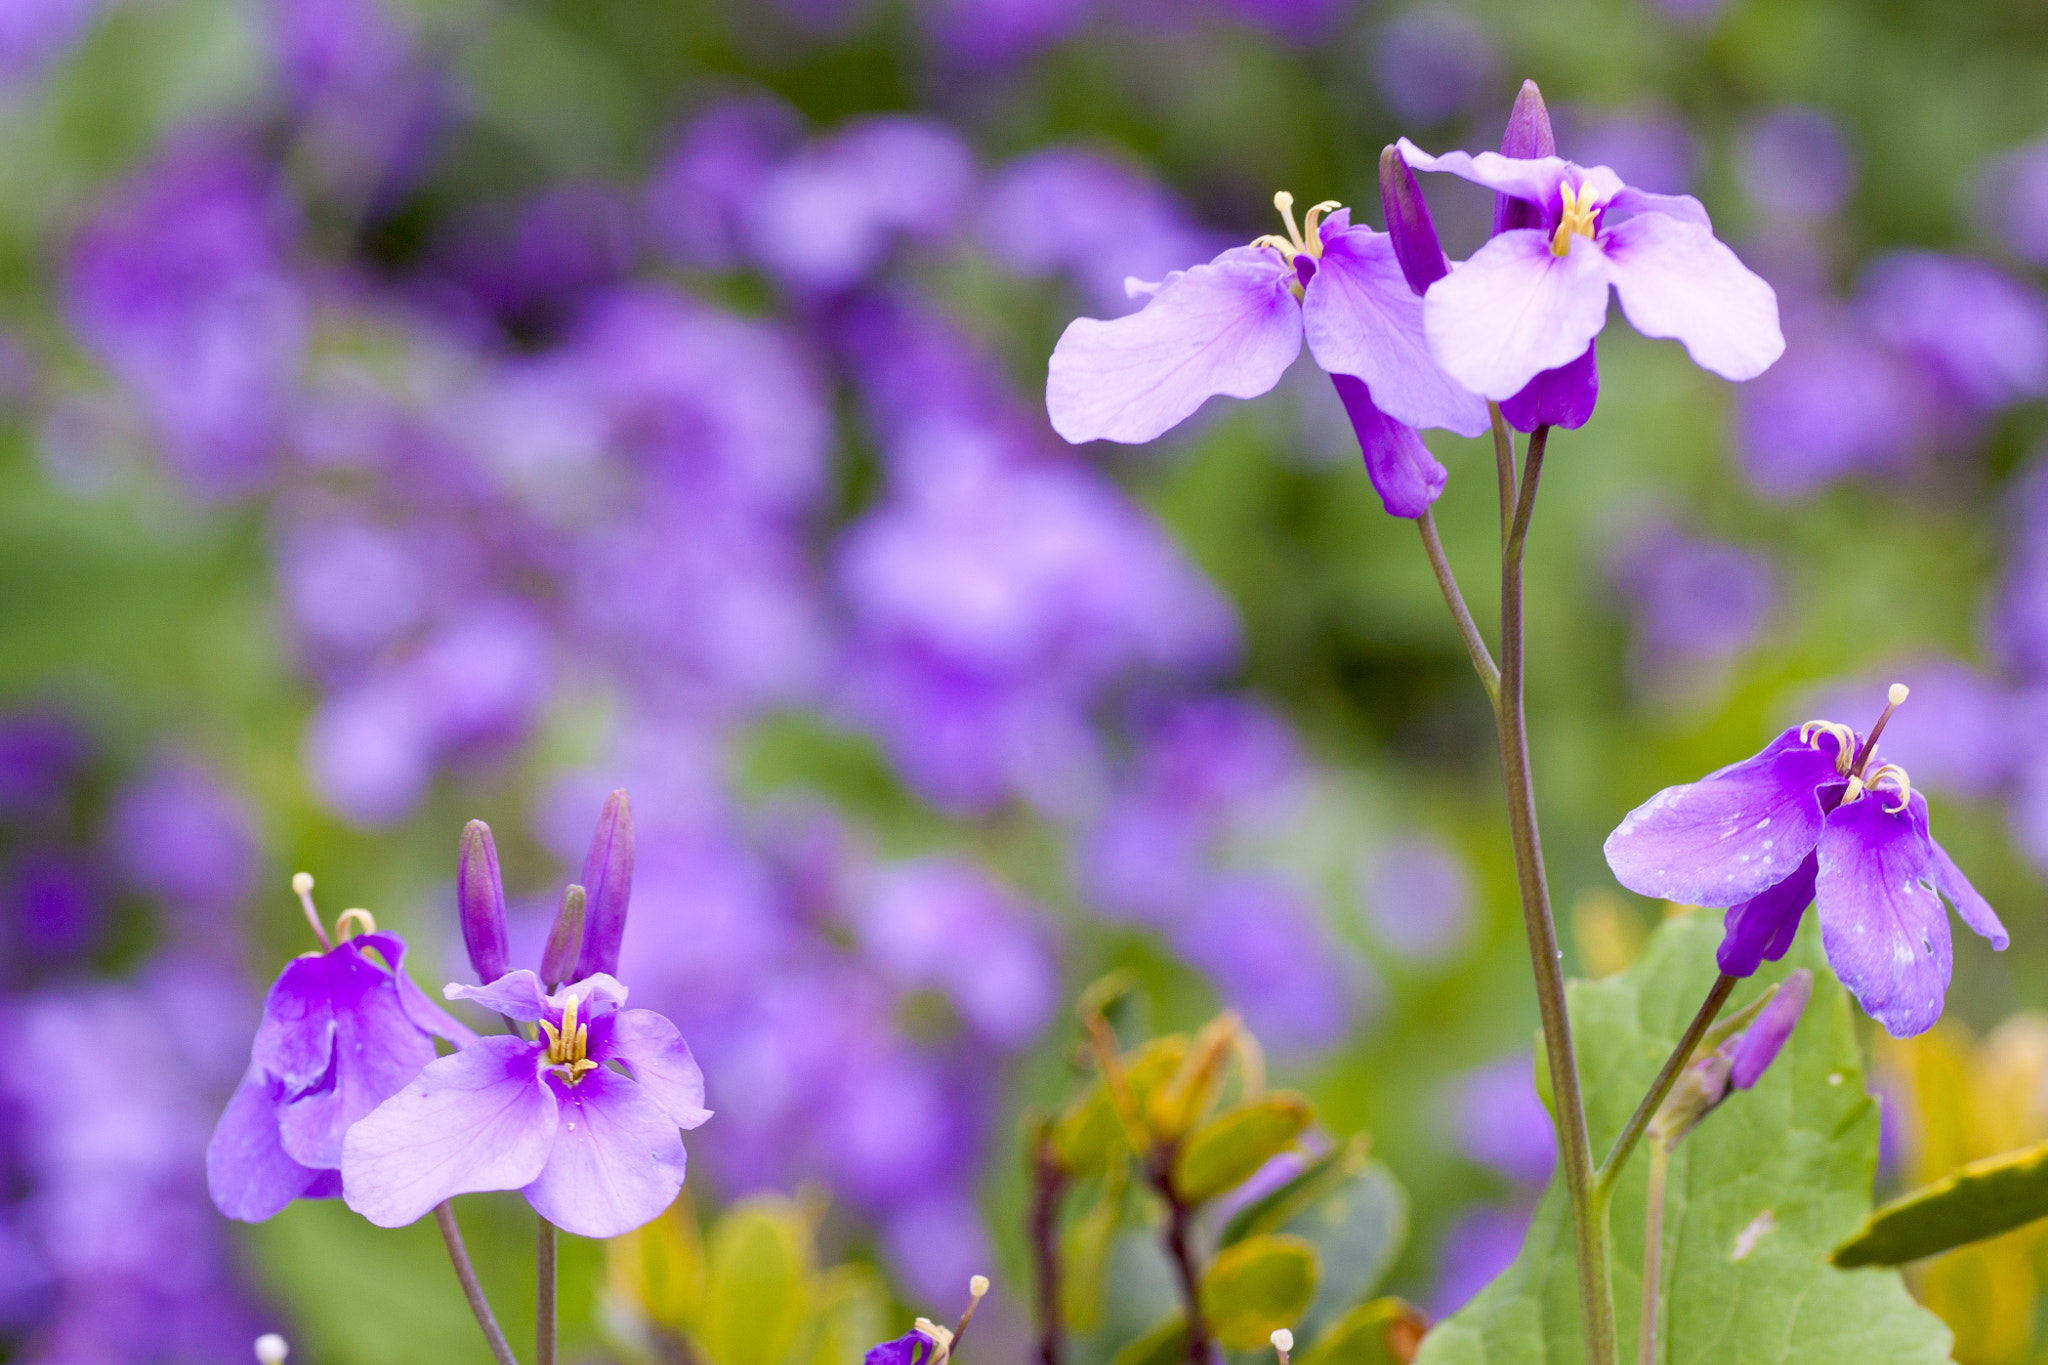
(1408, 222)
(480, 893)
(1761, 1041)
(608, 880)
(1528, 136)
(565, 940)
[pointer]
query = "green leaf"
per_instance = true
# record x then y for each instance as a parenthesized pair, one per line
(1258, 1285)
(1232, 1146)
(851, 1314)
(759, 1288)
(1757, 1194)
(1360, 1336)
(1981, 1200)
(1088, 1137)
(1164, 1344)
(1319, 1177)
(1357, 1229)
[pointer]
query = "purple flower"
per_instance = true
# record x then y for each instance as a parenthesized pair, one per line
(988, 33)
(912, 1348)
(1533, 298)
(1840, 402)
(1233, 327)
(1431, 64)
(1477, 1246)
(1418, 897)
(2013, 190)
(1258, 939)
(593, 1147)
(700, 200)
(35, 33)
(1502, 1123)
(1796, 163)
(1695, 602)
(178, 835)
(1806, 821)
(1751, 1052)
(1979, 334)
(343, 1031)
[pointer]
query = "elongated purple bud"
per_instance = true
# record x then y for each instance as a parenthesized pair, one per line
(608, 879)
(1528, 136)
(1762, 1040)
(565, 940)
(480, 893)
(1408, 222)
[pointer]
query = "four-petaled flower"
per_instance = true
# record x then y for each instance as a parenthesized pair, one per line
(1808, 821)
(1233, 327)
(342, 1032)
(581, 1119)
(1533, 298)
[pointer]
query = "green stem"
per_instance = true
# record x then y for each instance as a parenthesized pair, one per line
(1503, 468)
(458, 1254)
(1653, 1252)
(544, 1314)
(1589, 1221)
(1632, 1132)
(1468, 630)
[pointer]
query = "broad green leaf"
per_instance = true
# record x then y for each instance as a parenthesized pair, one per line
(1164, 1344)
(1981, 1200)
(759, 1287)
(1758, 1194)
(850, 1313)
(1319, 1177)
(1258, 1285)
(1232, 1146)
(1357, 1229)
(1364, 1336)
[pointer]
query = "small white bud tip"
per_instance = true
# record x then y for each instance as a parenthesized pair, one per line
(978, 1286)
(271, 1349)
(302, 883)
(1283, 1340)
(1898, 694)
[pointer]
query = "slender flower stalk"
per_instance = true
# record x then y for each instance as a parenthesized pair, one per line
(473, 1292)
(1653, 1251)
(544, 1310)
(1632, 1131)
(1048, 1187)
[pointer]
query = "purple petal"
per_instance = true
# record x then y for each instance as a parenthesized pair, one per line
(1949, 880)
(607, 886)
(1403, 472)
(1362, 319)
(424, 1013)
(1884, 929)
(654, 1051)
(480, 1119)
(1760, 1042)
(1733, 833)
(1563, 397)
(1515, 310)
(1677, 280)
(248, 1172)
(617, 1160)
(1683, 207)
(1230, 327)
(516, 995)
(1409, 225)
(1534, 180)
(1528, 134)
(377, 1052)
(480, 898)
(1762, 928)
(296, 1038)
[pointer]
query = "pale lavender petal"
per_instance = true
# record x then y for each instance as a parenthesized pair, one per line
(1677, 280)
(1362, 319)
(1733, 833)
(516, 995)
(617, 1160)
(1884, 929)
(1683, 207)
(1229, 327)
(596, 996)
(1949, 880)
(248, 1172)
(1760, 1042)
(1515, 310)
(1535, 180)
(479, 1119)
(424, 1013)
(1403, 472)
(1762, 928)
(654, 1052)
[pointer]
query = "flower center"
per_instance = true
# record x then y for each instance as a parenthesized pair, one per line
(1306, 240)
(1575, 220)
(569, 1046)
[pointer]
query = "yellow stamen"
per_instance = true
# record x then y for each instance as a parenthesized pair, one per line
(1284, 202)
(569, 1045)
(1311, 225)
(1576, 219)
(1901, 784)
(1845, 740)
(352, 922)
(1303, 240)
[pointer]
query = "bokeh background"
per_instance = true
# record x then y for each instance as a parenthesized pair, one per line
(416, 410)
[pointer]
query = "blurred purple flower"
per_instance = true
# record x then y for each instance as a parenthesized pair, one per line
(991, 33)
(40, 751)
(56, 904)
(178, 834)
(1417, 896)
(1795, 162)
(1646, 147)
(936, 1241)
(1479, 1243)
(36, 33)
(943, 923)
(352, 585)
(1258, 940)
(702, 197)
(1299, 21)
(828, 216)
(532, 264)
(1090, 216)
(180, 285)
(2012, 192)
(1693, 601)
(1838, 403)
(1978, 334)
(1431, 64)
(1502, 1124)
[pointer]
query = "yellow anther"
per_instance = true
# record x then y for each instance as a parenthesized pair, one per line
(1303, 240)
(1855, 792)
(1284, 202)
(352, 922)
(569, 1045)
(1900, 783)
(1845, 741)
(1575, 220)
(1311, 225)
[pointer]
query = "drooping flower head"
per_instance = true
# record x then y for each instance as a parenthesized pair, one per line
(1811, 820)
(343, 1030)
(1233, 327)
(582, 1118)
(1534, 297)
